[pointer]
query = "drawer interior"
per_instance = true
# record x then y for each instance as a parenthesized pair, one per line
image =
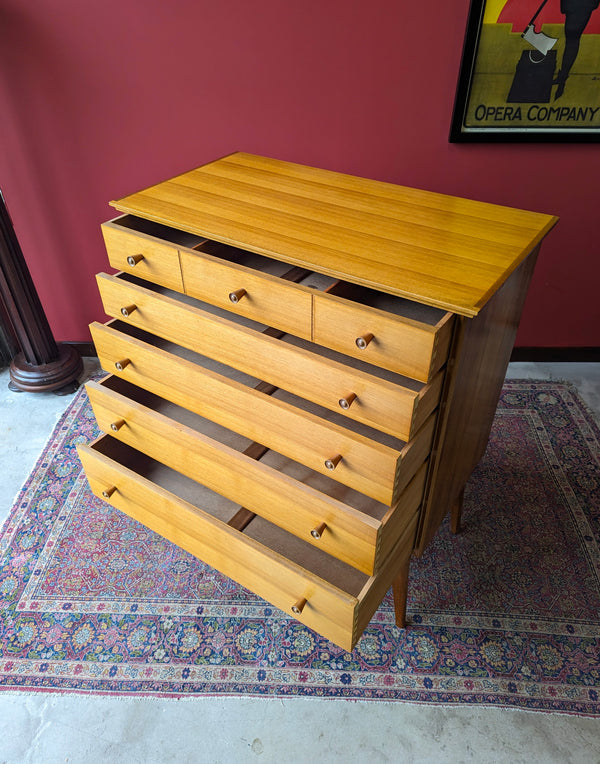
(335, 572)
(165, 477)
(397, 306)
(283, 465)
(159, 231)
(177, 413)
(251, 260)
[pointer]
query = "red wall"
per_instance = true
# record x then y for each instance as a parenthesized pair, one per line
(100, 99)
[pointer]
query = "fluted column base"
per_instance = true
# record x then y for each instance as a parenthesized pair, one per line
(60, 376)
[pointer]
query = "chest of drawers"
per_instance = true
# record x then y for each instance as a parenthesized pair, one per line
(303, 372)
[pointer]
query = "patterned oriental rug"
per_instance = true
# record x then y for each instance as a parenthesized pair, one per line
(505, 614)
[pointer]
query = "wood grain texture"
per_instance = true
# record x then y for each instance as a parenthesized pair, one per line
(405, 347)
(278, 498)
(440, 250)
(396, 565)
(330, 610)
(477, 370)
(152, 260)
(380, 403)
(266, 299)
(375, 469)
(384, 497)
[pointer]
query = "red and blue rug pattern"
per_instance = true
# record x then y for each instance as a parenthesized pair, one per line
(507, 613)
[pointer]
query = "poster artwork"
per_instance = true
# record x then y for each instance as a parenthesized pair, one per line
(536, 67)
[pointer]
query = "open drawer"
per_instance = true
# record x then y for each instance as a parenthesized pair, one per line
(248, 284)
(358, 456)
(337, 519)
(376, 397)
(325, 594)
(405, 337)
(391, 332)
(148, 249)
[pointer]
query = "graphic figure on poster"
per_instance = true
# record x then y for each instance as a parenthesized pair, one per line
(577, 15)
(534, 74)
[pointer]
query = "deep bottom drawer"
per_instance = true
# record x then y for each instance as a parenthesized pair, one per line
(327, 595)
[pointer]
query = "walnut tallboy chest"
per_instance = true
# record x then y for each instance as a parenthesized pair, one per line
(304, 368)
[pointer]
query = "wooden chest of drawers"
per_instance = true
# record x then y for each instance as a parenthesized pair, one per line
(304, 368)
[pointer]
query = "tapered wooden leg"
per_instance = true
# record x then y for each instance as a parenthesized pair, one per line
(456, 512)
(400, 592)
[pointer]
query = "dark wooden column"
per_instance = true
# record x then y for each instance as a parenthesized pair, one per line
(41, 364)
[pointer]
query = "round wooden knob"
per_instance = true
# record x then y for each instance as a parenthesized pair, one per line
(317, 532)
(237, 295)
(116, 426)
(347, 400)
(331, 464)
(133, 260)
(128, 310)
(108, 492)
(362, 342)
(298, 607)
(120, 365)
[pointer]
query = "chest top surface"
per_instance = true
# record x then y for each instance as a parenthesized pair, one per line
(440, 250)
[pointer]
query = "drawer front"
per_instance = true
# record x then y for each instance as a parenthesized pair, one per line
(257, 296)
(365, 397)
(349, 535)
(376, 469)
(143, 256)
(328, 609)
(404, 346)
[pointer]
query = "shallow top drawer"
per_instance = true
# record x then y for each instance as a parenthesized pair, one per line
(383, 330)
(146, 249)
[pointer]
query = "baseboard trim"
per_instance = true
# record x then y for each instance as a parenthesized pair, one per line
(556, 355)
(85, 349)
(531, 354)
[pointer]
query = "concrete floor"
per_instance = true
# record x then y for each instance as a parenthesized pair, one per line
(50, 728)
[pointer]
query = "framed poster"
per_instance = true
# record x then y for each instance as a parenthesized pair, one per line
(530, 72)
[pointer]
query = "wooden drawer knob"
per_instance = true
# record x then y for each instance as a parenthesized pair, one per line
(133, 260)
(116, 426)
(331, 464)
(317, 532)
(120, 365)
(128, 310)
(347, 400)
(298, 607)
(108, 492)
(362, 342)
(236, 296)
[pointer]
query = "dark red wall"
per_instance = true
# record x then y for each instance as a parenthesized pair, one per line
(100, 99)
